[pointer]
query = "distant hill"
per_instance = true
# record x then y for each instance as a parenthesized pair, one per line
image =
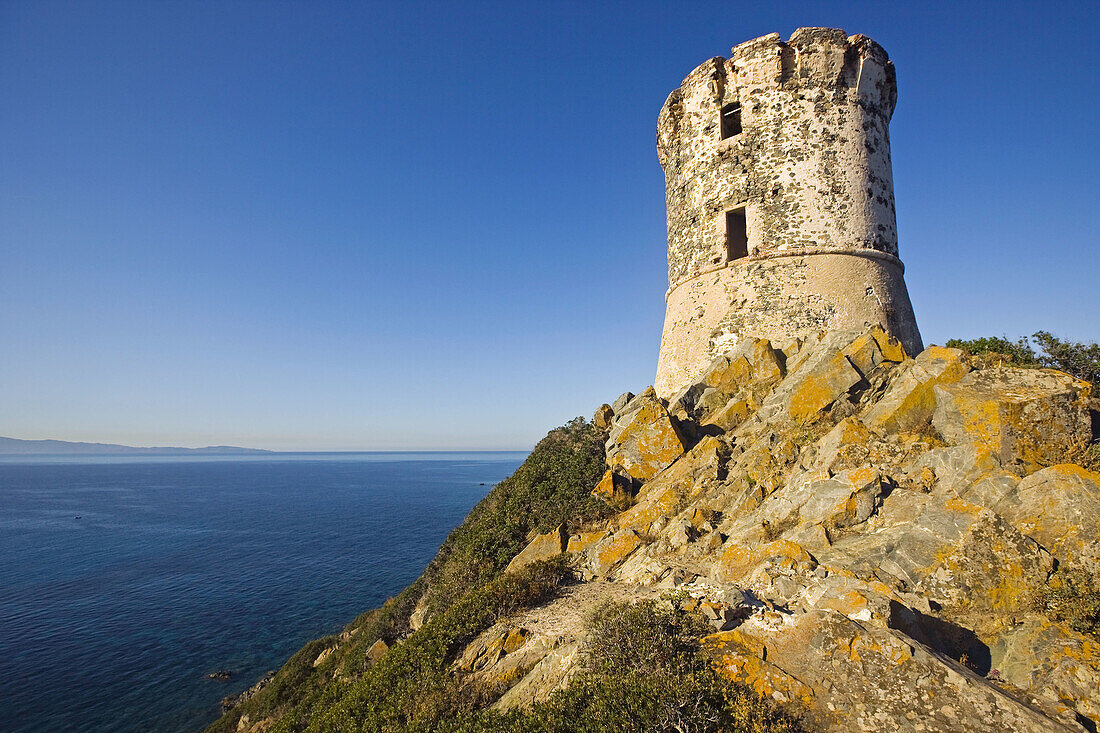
(14, 445)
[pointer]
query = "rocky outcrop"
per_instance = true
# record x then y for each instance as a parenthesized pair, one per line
(865, 532)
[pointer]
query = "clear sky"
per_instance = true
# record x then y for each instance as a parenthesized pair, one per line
(311, 225)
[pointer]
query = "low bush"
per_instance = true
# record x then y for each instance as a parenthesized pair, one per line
(646, 673)
(1072, 596)
(1080, 360)
(552, 487)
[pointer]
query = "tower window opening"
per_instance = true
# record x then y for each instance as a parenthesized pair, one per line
(731, 120)
(737, 235)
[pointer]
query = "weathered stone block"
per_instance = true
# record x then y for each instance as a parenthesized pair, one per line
(911, 399)
(644, 439)
(1027, 417)
(543, 547)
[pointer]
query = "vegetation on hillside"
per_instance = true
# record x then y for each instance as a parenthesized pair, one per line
(645, 672)
(1072, 597)
(552, 487)
(1039, 350)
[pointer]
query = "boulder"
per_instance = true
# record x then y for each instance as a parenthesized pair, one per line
(856, 676)
(1059, 507)
(1026, 417)
(616, 490)
(621, 401)
(1050, 661)
(993, 568)
(542, 547)
(910, 400)
(603, 416)
(377, 650)
(825, 376)
(643, 439)
(612, 550)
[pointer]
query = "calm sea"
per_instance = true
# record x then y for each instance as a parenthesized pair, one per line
(125, 581)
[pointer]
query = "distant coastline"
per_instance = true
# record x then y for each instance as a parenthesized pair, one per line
(15, 446)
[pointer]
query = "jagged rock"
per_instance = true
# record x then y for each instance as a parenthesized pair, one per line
(603, 416)
(1050, 661)
(621, 401)
(738, 561)
(873, 348)
(323, 656)
(377, 650)
(910, 401)
(643, 439)
(612, 550)
(752, 365)
(614, 489)
(1059, 507)
(420, 613)
(735, 411)
(680, 533)
(542, 547)
(993, 567)
(1026, 417)
(853, 676)
(825, 376)
(580, 542)
(664, 496)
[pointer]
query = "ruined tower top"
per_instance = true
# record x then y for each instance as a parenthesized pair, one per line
(780, 199)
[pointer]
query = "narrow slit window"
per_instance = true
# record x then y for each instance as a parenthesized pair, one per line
(731, 120)
(737, 235)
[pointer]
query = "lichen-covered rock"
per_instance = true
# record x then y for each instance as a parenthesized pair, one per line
(993, 567)
(614, 489)
(542, 547)
(604, 555)
(855, 676)
(824, 377)
(909, 402)
(1059, 507)
(603, 416)
(1027, 417)
(643, 438)
(1051, 662)
(665, 495)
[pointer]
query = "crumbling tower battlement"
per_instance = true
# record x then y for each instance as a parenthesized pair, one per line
(780, 199)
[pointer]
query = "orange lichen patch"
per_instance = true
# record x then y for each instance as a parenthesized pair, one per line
(821, 388)
(1059, 507)
(737, 410)
(611, 551)
(737, 562)
(648, 443)
(866, 352)
(911, 399)
(1027, 417)
(852, 604)
(667, 494)
(581, 542)
(515, 639)
(741, 657)
(757, 364)
(542, 547)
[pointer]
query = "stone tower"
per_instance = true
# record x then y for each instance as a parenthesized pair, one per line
(780, 199)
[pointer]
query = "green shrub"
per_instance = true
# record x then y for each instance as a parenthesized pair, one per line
(1072, 596)
(645, 673)
(1080, 360)
(411, 687)
(552, 487)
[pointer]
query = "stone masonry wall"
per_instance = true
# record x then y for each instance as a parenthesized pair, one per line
(812, 169)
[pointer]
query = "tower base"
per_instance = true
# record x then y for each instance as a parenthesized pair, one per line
(780, 298)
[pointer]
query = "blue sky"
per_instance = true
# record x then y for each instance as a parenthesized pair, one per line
(430, 225)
